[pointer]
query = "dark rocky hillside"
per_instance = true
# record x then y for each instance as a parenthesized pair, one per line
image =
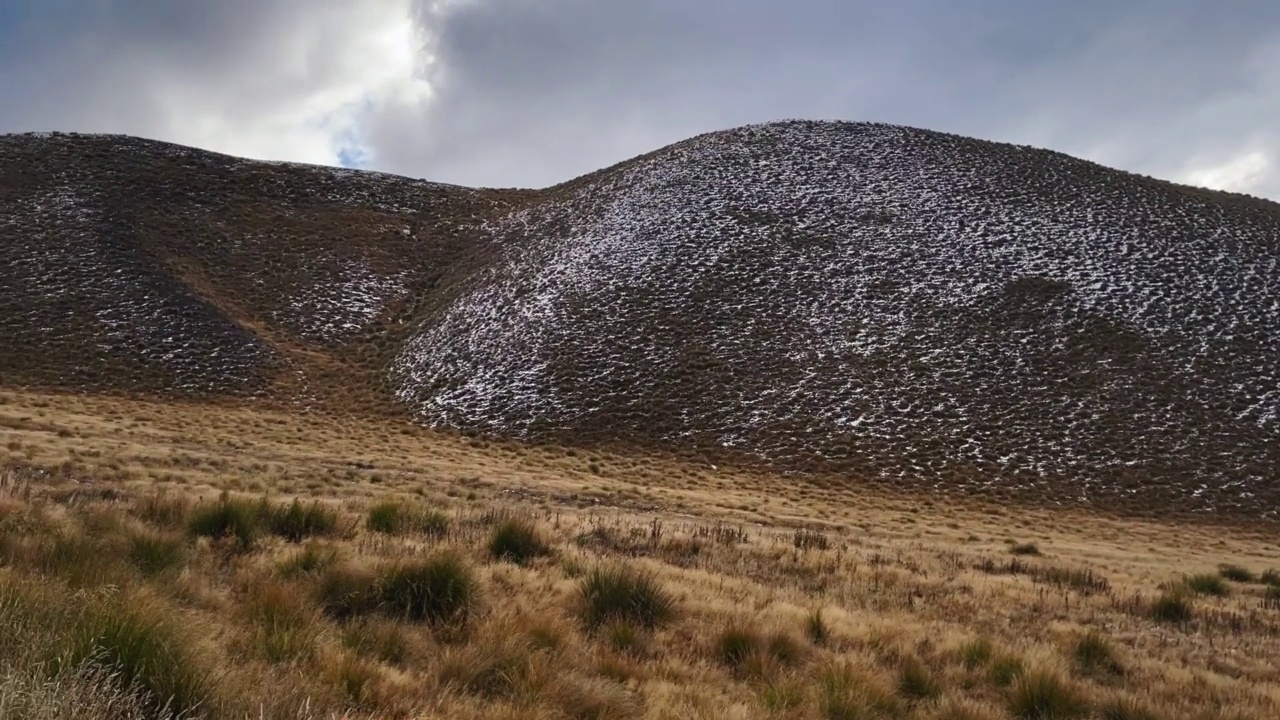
(865, 300)
(141, 266)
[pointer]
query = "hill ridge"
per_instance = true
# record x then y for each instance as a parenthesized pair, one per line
(863, 299)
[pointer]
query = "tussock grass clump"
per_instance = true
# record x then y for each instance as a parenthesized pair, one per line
(816, 628)
(379, 638)
(1093, 655)
(743, 649)
(312, 559)
(296, 522)
(595, 699)
(1004, 670)
(1236, 573)
(391, 517)
(1041, 694)
(153, 552)
(1206, 584)
(1171, 607)
(441, 590)
(1127, 708)
(1270, 577)
(140, 643)
(976, 653)
(846, 692)
(915, 681)
(163, 510)
(355, 676)
(810, 540)
(954, 709)
(1029, 548)
(497, 666)
(517, 540)
(285, 626)
(736, 645)
(88, 693)
(346, 591)
(72, 556)
(386, 517)
(618, 592)
(226, 518)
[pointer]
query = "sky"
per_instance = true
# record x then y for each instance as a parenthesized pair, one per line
(527, 93)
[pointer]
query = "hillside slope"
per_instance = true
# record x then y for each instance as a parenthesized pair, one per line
(845, 298)
(143, 266)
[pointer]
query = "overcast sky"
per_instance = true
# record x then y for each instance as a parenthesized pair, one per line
(532, 92)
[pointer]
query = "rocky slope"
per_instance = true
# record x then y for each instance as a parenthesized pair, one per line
(858, 299)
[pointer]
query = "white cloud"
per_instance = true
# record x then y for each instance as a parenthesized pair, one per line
(1248, 172)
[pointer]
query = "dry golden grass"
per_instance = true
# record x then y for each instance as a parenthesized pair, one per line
(792, 598)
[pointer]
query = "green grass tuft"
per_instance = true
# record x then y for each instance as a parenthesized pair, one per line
(1044, 695)
(154, 553)
(847, 693)
(736, 645)
(1207, 584)
(976, 653)
(915, 681)
(618, 592)
(1236, 573)
(816, 628)
(142, 646)
(1094, 656)
(1005, 670)
(441, 590)
(391, 517)
(296, 522)
(517, 540)
(1171, 607)
(226, 519)
(347, 591)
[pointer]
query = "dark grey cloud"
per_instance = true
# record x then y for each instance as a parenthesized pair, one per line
(531, 92)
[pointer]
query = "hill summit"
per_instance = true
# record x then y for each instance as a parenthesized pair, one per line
(855, 299)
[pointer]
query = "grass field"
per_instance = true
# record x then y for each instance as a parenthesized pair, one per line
(153, 561)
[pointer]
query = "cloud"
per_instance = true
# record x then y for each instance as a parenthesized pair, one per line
(532, 92)
(276, 79)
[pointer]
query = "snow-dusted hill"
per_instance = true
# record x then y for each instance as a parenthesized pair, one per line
(848, 298)
(885, 299)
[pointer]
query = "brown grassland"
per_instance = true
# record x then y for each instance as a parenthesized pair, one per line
(223, 561)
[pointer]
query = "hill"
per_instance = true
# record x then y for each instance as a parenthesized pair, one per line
(847, 299)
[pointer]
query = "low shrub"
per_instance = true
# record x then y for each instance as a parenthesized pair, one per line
(1025, 549)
